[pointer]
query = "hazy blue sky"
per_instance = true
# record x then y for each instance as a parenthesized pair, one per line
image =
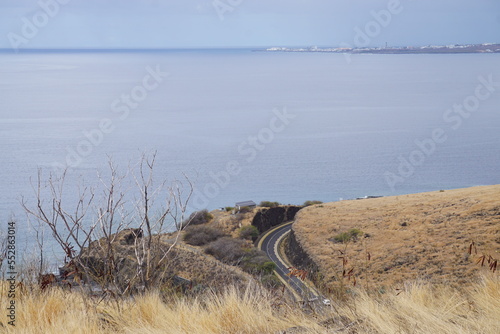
(198, 23)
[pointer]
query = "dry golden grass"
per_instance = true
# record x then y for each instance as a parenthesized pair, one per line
(419, 308)
(234, 311)
(422, 236)
(422, 308)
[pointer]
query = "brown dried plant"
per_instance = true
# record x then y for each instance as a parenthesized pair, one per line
(484, 258)
(299, 273)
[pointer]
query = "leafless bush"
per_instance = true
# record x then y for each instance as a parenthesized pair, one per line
(91, 232)
(201, 235)
(198, 218)
(3, 248)
(227, 250)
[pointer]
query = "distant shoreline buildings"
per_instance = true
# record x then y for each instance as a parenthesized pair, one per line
(456, 48)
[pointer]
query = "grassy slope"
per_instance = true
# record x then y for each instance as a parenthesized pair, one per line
(420, 236)
(419, 309)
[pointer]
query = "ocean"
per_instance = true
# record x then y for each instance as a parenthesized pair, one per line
(244, 125)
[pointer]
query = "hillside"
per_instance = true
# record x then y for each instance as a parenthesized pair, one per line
(403, 238)
(430, 225)
(183, 261)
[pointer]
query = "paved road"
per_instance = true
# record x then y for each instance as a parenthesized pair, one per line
(269, 243)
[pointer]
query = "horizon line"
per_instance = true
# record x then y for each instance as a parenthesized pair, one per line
(194, 48)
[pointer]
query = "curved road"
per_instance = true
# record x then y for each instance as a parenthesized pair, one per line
(269, 243)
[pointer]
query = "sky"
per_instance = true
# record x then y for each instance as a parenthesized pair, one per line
(245, 23)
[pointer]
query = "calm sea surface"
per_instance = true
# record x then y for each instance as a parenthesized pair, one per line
(289, 126)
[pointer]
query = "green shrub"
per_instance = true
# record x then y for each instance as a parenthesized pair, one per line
(229, 208)
(201, 235)
(248, 232)
(256, 262)
(352, 234)
(267, 267)
(268, 204)
(309, 203)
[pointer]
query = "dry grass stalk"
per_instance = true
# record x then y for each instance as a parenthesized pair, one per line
(299, 273)
(418, 308)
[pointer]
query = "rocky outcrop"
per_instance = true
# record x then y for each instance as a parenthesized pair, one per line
(298, 256)
(267, 218)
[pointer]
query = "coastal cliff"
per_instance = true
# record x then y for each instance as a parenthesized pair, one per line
(267, 218)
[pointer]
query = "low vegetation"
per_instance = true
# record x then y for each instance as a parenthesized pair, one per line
(351, 235)
(248, 232)
(227, 250)
(198, 218)
(200, 235)
(256, 262)
(268, 204)
(309, 203)
(245, 209)
(241, 253)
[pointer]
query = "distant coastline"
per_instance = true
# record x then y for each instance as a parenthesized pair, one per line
(430, 49)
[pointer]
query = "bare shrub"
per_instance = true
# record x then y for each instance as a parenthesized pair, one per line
(227, 250)
(201, 235)
(89, 231)
(198, 218)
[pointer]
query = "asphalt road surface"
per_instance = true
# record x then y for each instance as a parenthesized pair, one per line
(269, 243)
